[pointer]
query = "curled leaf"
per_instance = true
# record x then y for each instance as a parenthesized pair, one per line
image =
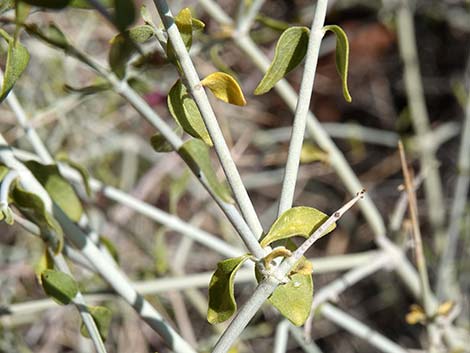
(225, 88)
(290, 51)
(45, 262)
(186, 113)
(342, 57)
(297, 221)
(196, 154)
(294, 298)
(17, 60)
(59, 286)
(222, 304)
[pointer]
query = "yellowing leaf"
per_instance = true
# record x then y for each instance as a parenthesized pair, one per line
(59, 286)
(225, 88)
(311, 153)
(294, 299)
(342, 57)
(17, 60)
(196, 154)
(186, 113)
(222, 303)
(416, 315)
(445, 308)
(102, 317)
(46, 262)
(298, 221)
(290, 51)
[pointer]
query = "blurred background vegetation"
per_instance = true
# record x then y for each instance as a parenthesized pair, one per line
(104, 134)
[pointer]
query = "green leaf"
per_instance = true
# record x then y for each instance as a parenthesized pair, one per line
(290, 51)
(294, 299)
(59, 286)
(58, 188)
(49, 4)
(51, 34)
(87, 90)
(32, 207)
(225, 88)
(102, 317)
(298, 221)
(186, 25)
(17, 60)
(80, 169)
(109, 245)
(342, 57)
(124, 14)
(196, 154)
(222, 304)
(186, 113)
(122, 47)
(160, 143)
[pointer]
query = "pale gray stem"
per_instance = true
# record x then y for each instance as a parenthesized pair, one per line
(302, 108)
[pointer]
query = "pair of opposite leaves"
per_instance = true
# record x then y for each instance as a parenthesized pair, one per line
(294, 298)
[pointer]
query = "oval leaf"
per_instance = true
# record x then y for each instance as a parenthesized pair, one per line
(17, 60)
(59, 286)
(122, 47)
(294, 299)
(298, 221)
(222, 303)
(225, 88)
(196, 154)
(61, 192)
(32, 207)
(186, 113)
(342, 57)
(102, 317)
(290, 51)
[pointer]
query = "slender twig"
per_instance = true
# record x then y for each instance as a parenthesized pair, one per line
(187, 281)
(207, 113)
(419, 114)
(335, 288)
(446, 282)
(21, 172)
(281, 338)
(106, 268)
(302, 108)
(246, 19)
(358, 329)
(418, 244)
(273, 278)
(426, 296)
